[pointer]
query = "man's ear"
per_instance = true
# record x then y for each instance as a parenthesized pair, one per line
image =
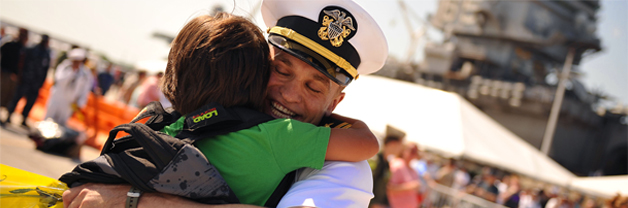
(334, 103)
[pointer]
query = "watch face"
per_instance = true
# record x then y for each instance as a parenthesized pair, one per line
(133, 194)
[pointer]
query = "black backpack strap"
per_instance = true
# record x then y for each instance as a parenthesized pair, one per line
(281, 189)
(213, 119)
(152, 109)
(159, 118)
(290, 178)
(152, 141)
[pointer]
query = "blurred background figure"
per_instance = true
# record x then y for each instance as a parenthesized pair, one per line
(404, 182)
(62, 57)
(487, 188)
(502, 186)
(118, 77)
(92, 66)
(461, 179)
(36, 64)
(512, 195)
(393, 145)
(105, 79)
(445, 175)
(420, 166)
(130, 83)
(529, 199)
(73, 84)
(149, 90)
(11, 63)
(617, 202)
(560, 201)
(3, 36)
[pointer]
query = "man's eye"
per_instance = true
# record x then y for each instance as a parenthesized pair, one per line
(313, 89)
(280, 71)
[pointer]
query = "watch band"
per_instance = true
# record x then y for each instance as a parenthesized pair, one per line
(133, 197)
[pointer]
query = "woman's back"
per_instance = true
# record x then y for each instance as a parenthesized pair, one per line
(253, 161)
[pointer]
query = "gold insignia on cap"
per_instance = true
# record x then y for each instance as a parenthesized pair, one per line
(336, 27)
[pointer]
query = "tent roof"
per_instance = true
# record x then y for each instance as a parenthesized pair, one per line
(446, 123)
(607, 186)
(152, 66)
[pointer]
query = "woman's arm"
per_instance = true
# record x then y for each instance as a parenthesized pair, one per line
(353, 144)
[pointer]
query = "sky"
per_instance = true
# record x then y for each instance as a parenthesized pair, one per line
(122, 30)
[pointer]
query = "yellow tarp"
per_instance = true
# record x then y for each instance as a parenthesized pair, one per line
(19, 188)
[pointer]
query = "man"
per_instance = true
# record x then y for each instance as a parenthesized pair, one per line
(318, 48)
(393, 145)
(487, 188)
(36, 64)
(129, 86)
(73, 81)
(105, 79)
(11, 64)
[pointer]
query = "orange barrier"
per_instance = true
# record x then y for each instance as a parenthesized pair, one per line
(99, 115)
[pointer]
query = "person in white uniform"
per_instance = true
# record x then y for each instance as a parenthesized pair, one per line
(340, 40)
(318, 48)
(73, 82)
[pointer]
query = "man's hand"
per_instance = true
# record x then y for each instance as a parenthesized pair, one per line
(96, 195)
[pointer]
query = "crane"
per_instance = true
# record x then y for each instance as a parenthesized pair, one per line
(415, 35)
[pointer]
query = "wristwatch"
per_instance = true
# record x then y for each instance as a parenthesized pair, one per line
(133, 197)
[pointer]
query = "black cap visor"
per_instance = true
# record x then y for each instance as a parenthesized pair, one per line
(331, 70)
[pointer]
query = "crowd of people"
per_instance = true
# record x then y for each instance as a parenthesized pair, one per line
(405, 177)
(75, 74)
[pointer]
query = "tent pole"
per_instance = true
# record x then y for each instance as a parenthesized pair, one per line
(558, 101)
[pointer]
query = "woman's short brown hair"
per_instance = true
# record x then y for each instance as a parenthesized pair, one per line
(223, 59)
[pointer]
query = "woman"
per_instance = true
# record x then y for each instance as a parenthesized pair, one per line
(404, 181)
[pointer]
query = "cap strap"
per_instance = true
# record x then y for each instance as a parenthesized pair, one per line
(293, 35)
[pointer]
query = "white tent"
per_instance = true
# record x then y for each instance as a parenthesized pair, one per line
(152, 67)
(607, 186)
(446, 123)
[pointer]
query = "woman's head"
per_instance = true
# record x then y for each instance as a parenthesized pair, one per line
(223, 59)
(409, 152)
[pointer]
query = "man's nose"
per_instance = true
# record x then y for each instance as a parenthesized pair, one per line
(290, 92)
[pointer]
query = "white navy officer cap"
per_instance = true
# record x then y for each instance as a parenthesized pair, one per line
(77, 54)
(337, 37)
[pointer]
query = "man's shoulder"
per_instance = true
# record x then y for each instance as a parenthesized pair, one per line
(11, 44)
(37, 51)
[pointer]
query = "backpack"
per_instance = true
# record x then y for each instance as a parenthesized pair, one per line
(63, 143)
(153, 161)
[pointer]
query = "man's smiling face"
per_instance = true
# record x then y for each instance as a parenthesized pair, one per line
(297, 90)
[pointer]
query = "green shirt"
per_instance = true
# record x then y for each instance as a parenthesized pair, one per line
(253, 161)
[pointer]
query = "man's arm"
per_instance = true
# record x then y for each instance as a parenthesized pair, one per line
(102, 195)
(351, 144)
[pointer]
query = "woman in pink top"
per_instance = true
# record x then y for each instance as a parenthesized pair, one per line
(404, 181)
(149, 90)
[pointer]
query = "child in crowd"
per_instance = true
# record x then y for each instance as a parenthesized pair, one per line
(225, 59)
